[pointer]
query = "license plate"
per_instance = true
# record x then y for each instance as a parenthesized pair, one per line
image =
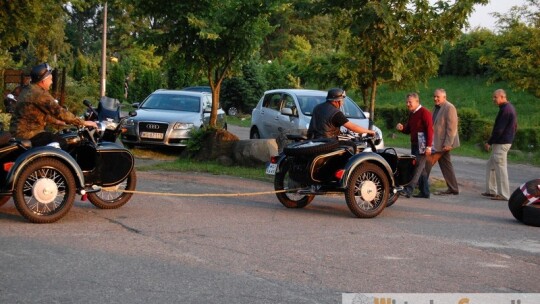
(152, 135)
(271, 169)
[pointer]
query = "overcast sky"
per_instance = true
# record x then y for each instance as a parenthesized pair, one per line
(481, 16)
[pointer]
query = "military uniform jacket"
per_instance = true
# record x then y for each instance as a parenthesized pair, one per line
(34, 110)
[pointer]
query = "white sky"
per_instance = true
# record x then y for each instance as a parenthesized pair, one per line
(481, 16)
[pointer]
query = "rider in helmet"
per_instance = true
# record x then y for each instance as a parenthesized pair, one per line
(327, 117)
(36, 108)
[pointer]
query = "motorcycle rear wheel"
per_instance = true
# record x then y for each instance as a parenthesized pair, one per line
(114, 197)
(44, 191)
(367, 191)
(283, 181)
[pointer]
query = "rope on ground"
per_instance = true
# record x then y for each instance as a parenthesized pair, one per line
(200, 194)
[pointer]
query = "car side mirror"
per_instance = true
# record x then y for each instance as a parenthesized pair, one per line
(367, 115)
(136, 105)
(287, 111)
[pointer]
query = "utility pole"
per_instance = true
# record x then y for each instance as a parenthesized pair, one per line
(104, 53)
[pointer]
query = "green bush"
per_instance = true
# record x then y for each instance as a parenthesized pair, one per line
(527, 139)
(391, 115)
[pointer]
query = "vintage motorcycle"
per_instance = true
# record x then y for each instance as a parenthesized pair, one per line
(43, 181)
(371, 179)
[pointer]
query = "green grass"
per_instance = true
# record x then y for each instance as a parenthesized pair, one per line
(243, 120)
(468, 92)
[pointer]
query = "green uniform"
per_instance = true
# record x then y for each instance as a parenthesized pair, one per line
(34, 110)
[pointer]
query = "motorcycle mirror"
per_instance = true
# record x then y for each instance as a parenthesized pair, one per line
(87, 103)
(10, 96)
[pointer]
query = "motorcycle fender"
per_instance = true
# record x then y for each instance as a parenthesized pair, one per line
(280, 162)
(360, 158)
(116, 163)
(45, 151)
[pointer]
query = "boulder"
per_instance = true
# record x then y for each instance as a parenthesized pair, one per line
(254, 151)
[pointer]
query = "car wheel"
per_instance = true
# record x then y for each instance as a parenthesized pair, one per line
(232, 111)
(367, 191)
(254, 133)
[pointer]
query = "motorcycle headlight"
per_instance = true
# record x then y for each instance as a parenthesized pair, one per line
(182, 126)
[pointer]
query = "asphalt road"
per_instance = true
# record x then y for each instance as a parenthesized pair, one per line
(250, 249)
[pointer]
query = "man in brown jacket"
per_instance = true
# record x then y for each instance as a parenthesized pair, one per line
(445, 138)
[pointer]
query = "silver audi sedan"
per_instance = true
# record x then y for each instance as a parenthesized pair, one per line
(166, 118)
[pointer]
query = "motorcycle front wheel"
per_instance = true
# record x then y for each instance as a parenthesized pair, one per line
(44, 191)
(283, 181)
(114, 197)
(367, 191)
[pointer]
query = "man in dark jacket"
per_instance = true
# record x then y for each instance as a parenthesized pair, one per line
(327, 117)
(500, 142)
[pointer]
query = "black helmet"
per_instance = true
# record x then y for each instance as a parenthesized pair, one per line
(39, 72)
(335, 94)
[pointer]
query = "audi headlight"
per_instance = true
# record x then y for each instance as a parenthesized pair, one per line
(182, 126)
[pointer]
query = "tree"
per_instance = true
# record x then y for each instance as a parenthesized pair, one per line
(214, 35)
(32, 30)
(396, 41)
(514, 54)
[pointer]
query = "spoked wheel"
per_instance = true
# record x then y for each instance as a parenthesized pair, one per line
(367, 191)
(4, 199)
(392, 198)
(114, 197)
(44, 191)
(283, 181)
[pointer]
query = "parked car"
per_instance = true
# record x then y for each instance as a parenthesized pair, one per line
(166, 118)
(205, 89)
(230, 109)
(289, 111)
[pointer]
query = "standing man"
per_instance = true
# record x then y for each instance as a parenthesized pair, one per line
(445, 138)
(420, 127)
(327, 117)
(500, 142)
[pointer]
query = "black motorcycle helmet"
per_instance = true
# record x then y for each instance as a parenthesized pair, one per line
(335, 94)
(39, 72)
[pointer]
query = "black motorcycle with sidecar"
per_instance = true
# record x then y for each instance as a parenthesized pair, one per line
(44, 181)
(371, 179)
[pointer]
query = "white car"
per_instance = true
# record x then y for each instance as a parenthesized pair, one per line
(289, 111)
(166, 118)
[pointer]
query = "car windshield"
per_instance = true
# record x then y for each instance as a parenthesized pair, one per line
(349, 108)
(172, 102)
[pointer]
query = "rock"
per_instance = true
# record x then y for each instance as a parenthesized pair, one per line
(254, 151)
